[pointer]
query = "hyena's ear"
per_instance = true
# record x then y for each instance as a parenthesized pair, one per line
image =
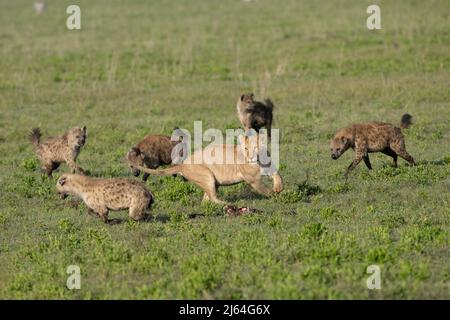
(344, 140)
(62, 181)
(84, 128)
(242, 97)
(135, 150)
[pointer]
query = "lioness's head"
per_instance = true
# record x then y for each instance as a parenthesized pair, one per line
(135, 158)
(77, 137)
(251, 146)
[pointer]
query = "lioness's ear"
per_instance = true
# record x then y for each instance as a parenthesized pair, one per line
(62, 181)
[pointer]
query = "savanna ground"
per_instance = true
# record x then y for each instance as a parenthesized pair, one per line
(147, 66)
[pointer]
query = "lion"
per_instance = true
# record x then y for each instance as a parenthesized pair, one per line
(224, 165)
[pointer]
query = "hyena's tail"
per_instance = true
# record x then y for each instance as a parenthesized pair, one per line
(35, 136)
(161, 172)
(152, 200)
(269, 104)
(405, 122)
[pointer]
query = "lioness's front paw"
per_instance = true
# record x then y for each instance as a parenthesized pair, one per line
(277, 189)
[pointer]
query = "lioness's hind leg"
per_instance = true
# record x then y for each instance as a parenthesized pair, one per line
(204, 178)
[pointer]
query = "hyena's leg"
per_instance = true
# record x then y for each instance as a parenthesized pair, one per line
(74, 168)
(405, 155)
(269, 130)
(399, 148)
(151, 163)
(367, 162)
(248, 123)
(389, 152)
(204, 178)
(102, 212)
(137, 210)
(145, 176)
(92, 212)
(354, 163)
(49, 167)
(360, 153)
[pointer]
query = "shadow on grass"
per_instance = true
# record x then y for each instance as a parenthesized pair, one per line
(440, 162)
(248, 195)
(245, 192)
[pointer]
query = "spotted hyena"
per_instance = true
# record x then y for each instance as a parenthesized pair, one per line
(151, 152)
(254, 114)
(102, 195)
(365, 138)
(61, 149)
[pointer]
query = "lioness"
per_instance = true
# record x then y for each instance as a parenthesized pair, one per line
(222, 165)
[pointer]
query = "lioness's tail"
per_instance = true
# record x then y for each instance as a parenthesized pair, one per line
(405, 122)
(269, 104)
(161, 172)
(35, 136)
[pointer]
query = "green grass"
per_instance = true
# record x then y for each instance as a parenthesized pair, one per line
(148, 66)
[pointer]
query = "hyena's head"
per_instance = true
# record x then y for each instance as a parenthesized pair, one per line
(135, 158)
(251, 145)
(77, 137)
(246, 100)
(64, 185)
(339, 144)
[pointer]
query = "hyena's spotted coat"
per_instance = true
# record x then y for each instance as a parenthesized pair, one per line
(365, 138)
(61, 149)
(102, 195)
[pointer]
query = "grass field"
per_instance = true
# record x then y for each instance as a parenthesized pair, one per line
(147, 66)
